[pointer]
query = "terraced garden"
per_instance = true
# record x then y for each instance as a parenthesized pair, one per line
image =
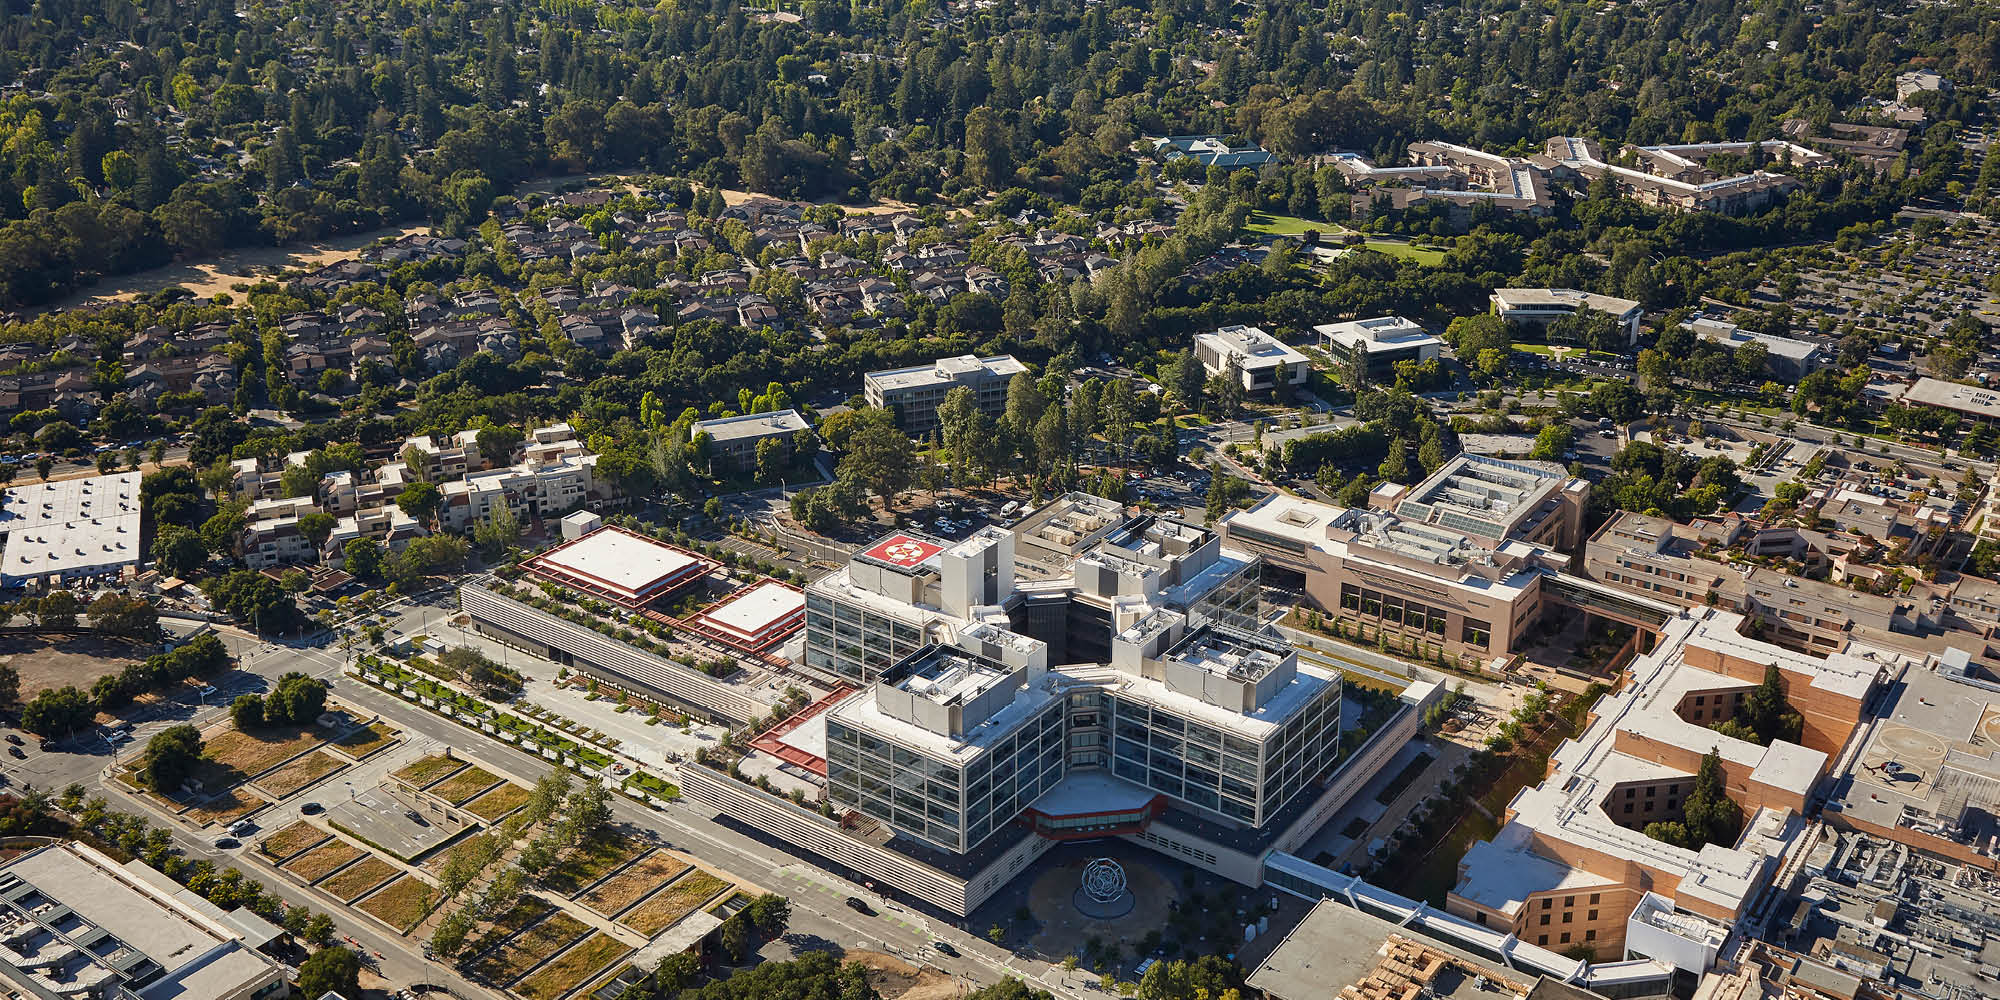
(352, 881)
(499, 802)
(461, 787)
(240, 755)
(368, 739)
(226, 808)
(320, 862)
(666, 907)
(591, 861)
(290, 840)
(569, 971)
(300, 773)
(424, 770)
(401, 904)
(527, 949)
(629, 886)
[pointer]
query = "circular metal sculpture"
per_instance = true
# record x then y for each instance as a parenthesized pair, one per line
(1104, 880)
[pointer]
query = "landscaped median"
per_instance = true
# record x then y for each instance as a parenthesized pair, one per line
(474, 712)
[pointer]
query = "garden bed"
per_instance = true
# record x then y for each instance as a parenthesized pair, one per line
(465, 785)
(529, 948)
(358, 878)
(401, 904)
(300, 773)
(631, 885)
(591, 860)
(368, 740)
(226, 808)
(320, 862)
(576, 965)
(424, 770)
(290, 840)
(248, 755)
(666, 907)
(499, 802)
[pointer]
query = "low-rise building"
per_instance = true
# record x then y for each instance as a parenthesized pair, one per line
(1212, 151)
(1257, 360)
(914, 394)
(1377, 344)
(74, 922)
(1538, 307)
(69, 530)
(733, 441)
(1972, 402)
(1787, 358)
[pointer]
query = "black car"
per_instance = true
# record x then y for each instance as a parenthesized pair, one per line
(11, 738)
(310, 808)
(858, 905)
(945, 948)
(17, 752)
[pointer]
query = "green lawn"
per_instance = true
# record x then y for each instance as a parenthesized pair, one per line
(1288, 225)
(1422, 255)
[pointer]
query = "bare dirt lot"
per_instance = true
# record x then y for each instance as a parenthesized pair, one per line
(243, 266)
(52, 661)
(896, 979)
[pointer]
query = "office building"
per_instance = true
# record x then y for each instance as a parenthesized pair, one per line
(1572, 867)
(914, 394)
(733, 441)
(621, 566)
(75, 923)
(1538, 307)
(1257, 358)
(70, 530)
(1678, 177)
(1457, 176)
(1378, 344)
(1786, 358)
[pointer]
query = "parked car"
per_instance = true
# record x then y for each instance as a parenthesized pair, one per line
(858, 905)
(11, 738)
(945, 948)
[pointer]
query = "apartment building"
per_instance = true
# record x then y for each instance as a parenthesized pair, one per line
(1258, 359)
(1571, 867)
(733, 441)
(1678, 177)
(528, 491)
(1538, 307)
(914, 394)
(1378, 344)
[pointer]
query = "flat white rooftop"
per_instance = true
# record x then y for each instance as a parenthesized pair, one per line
(1382, 333)
(1566, 299)
(752, 614)
(1976, 400)
(71, 527)
(749, 425)
(626, 563)
(1251, 347)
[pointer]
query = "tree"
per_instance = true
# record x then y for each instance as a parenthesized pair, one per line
(317, 527)
(247, 712)
(497, 444)
(58, 712)
(1553, 442)
(363, 558)
(171, 755)
(117, 614)
(331, 970)
(419, 500)
(57, 610)
(10, 685)
(883, 459)
(295, 698)
(179, 551)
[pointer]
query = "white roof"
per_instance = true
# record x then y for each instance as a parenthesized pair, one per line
(71, 527)
(1976, 400)
(621, 560)
(749, 425)
(754, 611)
(1251, 347)
(1382, 333)
(1563, 298)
